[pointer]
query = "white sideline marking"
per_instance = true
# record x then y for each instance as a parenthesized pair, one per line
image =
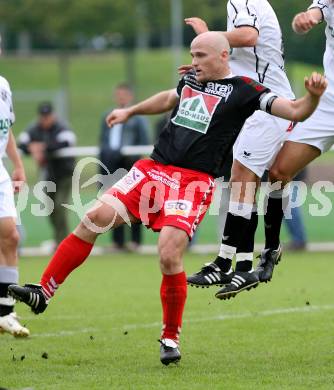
(203, 249)
(236, 316)
(64, 333)
(223, 317)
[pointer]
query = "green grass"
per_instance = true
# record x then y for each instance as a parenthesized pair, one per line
(278, 336)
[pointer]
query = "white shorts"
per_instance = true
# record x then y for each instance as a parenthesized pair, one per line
(7, 204)
(318, 130)
(260, 140)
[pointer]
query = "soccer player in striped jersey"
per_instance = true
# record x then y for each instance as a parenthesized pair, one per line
(255, 36)
(316, 135)
(9, 237)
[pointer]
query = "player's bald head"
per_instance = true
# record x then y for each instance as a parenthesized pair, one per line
(210, 54)
(212, 39)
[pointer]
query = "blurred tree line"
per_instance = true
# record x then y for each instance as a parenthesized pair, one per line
(102, 24)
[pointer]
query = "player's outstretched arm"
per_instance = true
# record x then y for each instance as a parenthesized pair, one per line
(244, 36)
(156, 104)
(18, 175)
(305, 21)
(300, 109)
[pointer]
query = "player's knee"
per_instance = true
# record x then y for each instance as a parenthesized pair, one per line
(92, 216)
(236, 177)
(169, 256)
(277, 174)
(10, 238)
(89, 223)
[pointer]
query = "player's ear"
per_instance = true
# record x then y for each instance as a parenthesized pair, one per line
(224, 55)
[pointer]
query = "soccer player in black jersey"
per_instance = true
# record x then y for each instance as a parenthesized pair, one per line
(210, 108)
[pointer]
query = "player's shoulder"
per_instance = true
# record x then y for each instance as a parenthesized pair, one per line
(4, 84)
(237, 4)
(248, 81)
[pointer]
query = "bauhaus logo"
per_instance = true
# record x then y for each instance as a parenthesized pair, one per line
(195, 110)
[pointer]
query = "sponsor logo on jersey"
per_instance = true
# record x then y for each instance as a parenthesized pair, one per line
(5, 125)
(195, 110)
(219, 89)
(129, 181)
(178, 207)
(164, 178)
(183, 221)
(247, 154)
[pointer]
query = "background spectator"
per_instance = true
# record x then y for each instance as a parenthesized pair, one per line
(133, 132)
(42, 139)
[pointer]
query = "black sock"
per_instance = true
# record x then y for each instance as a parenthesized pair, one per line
(4, 309)
(235, 228)
(246, 245)
(224, 264)
(273, 222)
(244, 266)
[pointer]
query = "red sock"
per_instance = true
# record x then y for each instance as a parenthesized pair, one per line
(173, 293)
(71, 252)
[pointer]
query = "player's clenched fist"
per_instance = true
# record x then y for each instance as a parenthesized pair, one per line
(316, 84)
(119, 115)
(303, 22)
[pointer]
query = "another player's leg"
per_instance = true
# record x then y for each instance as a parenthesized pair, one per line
(9, 274)
(291, 159)
(244, 184)
(219, 272)
(71, 253)
(173, 291)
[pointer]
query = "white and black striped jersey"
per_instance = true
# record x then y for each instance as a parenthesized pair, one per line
(207, 120)
(7, 119)
(265, 61)
(327, 9)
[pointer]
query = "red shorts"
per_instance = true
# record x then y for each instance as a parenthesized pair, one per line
(165, 195)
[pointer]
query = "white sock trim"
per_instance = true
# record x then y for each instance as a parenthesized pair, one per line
(9, 274)
(241, 209)
(244, 256)
(227, 251)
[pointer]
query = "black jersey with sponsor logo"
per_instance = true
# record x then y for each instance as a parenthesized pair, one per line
(206, 122)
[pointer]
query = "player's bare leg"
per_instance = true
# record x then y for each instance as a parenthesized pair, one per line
(73, 251)
(241, 218)
(173, 291)
(9, 239)
(291, 159)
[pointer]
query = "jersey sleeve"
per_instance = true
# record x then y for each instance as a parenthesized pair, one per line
(324, 6)
(255, 96)
(243, 13)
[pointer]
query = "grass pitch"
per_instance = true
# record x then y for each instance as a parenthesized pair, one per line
(101, 329)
